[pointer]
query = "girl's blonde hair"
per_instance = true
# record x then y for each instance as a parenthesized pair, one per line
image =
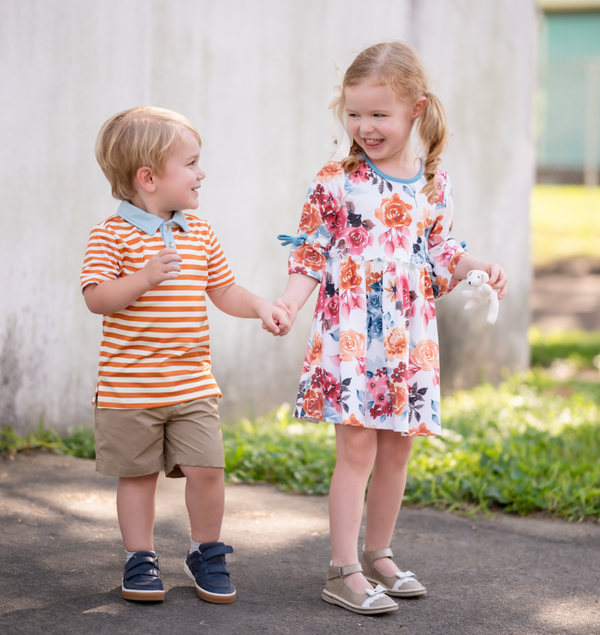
(140, 137)
(397, 65)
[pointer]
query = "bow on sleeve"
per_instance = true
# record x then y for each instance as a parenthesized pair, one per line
(292, 240)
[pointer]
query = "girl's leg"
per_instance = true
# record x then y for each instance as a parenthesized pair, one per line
(386, 490)
(205, 501)
(356, 449)
(136, 505)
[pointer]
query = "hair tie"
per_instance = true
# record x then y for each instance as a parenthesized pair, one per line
(337, 104)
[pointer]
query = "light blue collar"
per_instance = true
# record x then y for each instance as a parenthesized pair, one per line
(147, 222)
(150, 223)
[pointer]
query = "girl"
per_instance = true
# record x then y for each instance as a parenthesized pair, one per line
(374, 232)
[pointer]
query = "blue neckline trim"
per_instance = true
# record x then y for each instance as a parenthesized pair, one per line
(393, 178)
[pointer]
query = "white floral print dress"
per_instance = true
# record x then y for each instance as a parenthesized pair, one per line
(382, 254)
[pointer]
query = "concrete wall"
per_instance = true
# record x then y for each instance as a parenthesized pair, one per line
(254, 78)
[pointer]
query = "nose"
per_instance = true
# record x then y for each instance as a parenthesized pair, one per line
(366, 125)
(201, 174)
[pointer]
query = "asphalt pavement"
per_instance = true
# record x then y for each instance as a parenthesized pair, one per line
(61, 560)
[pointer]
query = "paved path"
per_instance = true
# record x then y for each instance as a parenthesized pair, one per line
(566, 302)
(61, 560)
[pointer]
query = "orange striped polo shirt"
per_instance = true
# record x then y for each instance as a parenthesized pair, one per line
(156, 351)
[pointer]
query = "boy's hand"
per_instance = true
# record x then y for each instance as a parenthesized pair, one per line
(162, 266)
(274, 318)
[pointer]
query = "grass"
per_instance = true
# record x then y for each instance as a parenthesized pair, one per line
(565, 222)
(78, 442)
(528, 445)
(581, 348)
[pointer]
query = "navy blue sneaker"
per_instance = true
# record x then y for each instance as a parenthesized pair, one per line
(210, 574)
(141, 578)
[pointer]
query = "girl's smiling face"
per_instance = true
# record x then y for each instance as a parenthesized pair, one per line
(381, 124)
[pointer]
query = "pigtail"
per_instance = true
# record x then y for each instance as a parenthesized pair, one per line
(352, 161)
(434, 136)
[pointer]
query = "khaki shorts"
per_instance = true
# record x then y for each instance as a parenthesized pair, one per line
(132, 442)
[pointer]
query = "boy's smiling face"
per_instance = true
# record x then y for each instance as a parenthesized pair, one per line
(177, 188)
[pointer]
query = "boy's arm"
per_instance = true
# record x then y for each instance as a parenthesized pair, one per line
(115, 295)
(238, 301)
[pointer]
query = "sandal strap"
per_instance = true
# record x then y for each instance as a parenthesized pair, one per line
(342, 572)
(380, 553)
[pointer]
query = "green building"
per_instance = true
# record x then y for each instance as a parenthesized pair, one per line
(568, 108)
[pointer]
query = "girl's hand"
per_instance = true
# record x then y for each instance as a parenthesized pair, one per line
(497, 279)
(275, 319)
(497, 276)
(162, 266)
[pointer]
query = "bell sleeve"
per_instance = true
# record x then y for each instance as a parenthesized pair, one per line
(443, 252)
(310, 247)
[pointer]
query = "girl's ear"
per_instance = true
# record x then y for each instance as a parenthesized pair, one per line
(145, 178)
(419, 107)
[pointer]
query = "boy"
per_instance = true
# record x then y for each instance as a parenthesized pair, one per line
(146, 270)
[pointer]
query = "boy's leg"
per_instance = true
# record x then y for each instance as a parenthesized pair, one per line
(205, 563)
(194, 449)
(356, 449)
(136, 504)
(205, 501)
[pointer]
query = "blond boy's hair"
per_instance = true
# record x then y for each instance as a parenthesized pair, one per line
(140, 137)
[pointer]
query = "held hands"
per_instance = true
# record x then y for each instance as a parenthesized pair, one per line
(290, 308)
(162, 266)
(275, 318)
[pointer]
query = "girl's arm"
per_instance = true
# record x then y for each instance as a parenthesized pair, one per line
(238, 301)
(494, 270)
(297, 292)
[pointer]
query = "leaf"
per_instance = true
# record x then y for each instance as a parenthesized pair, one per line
(389, 186)
(354, 220)
(368, 225)
(380, 188)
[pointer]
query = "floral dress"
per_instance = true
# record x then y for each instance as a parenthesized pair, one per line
(382, 254)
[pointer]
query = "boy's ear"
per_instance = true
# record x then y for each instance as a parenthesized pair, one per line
(145, 179)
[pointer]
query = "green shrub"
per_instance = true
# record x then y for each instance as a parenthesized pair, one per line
(582, 348)
(528, 445)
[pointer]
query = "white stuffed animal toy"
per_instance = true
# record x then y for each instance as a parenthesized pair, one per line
(481, 293)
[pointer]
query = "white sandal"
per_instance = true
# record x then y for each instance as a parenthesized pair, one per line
(337, 592)
(401, 584)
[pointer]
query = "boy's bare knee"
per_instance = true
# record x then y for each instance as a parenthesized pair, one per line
(203, 475)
